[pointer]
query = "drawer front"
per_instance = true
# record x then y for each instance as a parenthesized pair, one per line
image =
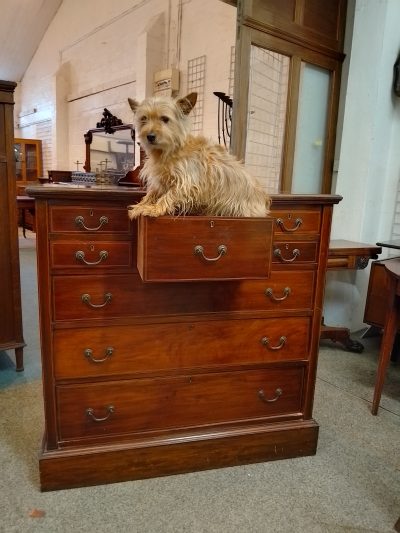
(90, 255)
(198, 248)
(137, 406)
(77, 219)
(294, 253)
(117, 295)
(296, 221)
(153, 348)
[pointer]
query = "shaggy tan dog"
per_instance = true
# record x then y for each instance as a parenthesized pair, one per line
(188, 174)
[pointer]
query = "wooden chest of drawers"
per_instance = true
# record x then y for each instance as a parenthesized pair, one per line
(143, 379)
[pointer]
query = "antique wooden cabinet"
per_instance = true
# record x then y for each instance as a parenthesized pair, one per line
(11, 336)
(145, 375)
(28, 160)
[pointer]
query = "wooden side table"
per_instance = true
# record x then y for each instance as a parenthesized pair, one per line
(347, 255)
(390, 327)
(23, 203)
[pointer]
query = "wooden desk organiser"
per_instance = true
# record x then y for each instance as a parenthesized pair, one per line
(145, 379)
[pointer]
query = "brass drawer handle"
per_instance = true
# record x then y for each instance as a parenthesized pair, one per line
(80, 256)
(261, 395)
(222, 250)
(297, 223)
(266, 342)
(86, 300)
(88, 353)
(80, 221)
(295, 253)
(90, 413)
(270, 293)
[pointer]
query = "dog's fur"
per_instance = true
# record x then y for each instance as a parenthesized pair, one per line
(188, 174)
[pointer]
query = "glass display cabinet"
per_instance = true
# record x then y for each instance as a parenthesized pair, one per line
(28, 159)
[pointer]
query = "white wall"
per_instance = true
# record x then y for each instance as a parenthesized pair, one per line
(368, 151)
(97, 53)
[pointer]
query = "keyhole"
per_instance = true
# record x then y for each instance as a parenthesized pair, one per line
(289, 216)
(91, 212)
(211, 223)
(92, 247)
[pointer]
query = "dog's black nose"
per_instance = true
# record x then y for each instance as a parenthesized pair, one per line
(151, 138)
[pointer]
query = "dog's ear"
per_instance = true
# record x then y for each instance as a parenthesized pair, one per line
(187, 103)
(134, 104)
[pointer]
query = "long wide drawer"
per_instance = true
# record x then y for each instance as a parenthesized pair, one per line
(150, 348)
(117, 295)
(141, 405)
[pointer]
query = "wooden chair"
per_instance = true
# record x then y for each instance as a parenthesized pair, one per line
(391, 325)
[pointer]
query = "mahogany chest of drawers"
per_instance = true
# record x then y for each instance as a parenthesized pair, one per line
(181, 371)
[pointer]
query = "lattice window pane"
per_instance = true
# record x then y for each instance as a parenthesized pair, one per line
(266, 121)
(195, 83)
(232, 72)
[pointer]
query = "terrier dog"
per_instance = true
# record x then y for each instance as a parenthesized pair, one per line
(188, 174)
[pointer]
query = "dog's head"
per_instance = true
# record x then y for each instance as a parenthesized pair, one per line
(161, 122)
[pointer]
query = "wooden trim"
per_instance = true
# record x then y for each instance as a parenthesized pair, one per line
(299, 12)
(137, 460)
(318, 307)
(7, 92)
(45, 315)
(290, 38)
(291, 126)
(109, 193)
(331, 127)
(255, 14)
(241, 93)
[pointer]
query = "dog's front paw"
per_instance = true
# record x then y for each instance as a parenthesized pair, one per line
(151, 211)
(134, 211)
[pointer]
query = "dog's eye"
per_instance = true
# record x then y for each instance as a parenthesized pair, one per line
(143, 119)
(165, 119)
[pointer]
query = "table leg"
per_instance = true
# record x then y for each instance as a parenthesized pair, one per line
(389, 334)
(342, 336)
(19, 359)
(23, 223)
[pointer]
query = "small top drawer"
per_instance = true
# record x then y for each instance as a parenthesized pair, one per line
(193, 248)
(85, 219)
(295, 221)
(85, 254)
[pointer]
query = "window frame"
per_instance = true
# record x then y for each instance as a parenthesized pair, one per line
(251, 32)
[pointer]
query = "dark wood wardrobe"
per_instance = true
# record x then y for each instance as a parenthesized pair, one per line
(11, 336)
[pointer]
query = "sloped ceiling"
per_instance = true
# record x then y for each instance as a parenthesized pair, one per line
(22, 26)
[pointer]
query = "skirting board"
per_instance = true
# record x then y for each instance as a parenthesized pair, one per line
(86, 466)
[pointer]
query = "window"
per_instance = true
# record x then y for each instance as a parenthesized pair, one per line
(289, 57)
